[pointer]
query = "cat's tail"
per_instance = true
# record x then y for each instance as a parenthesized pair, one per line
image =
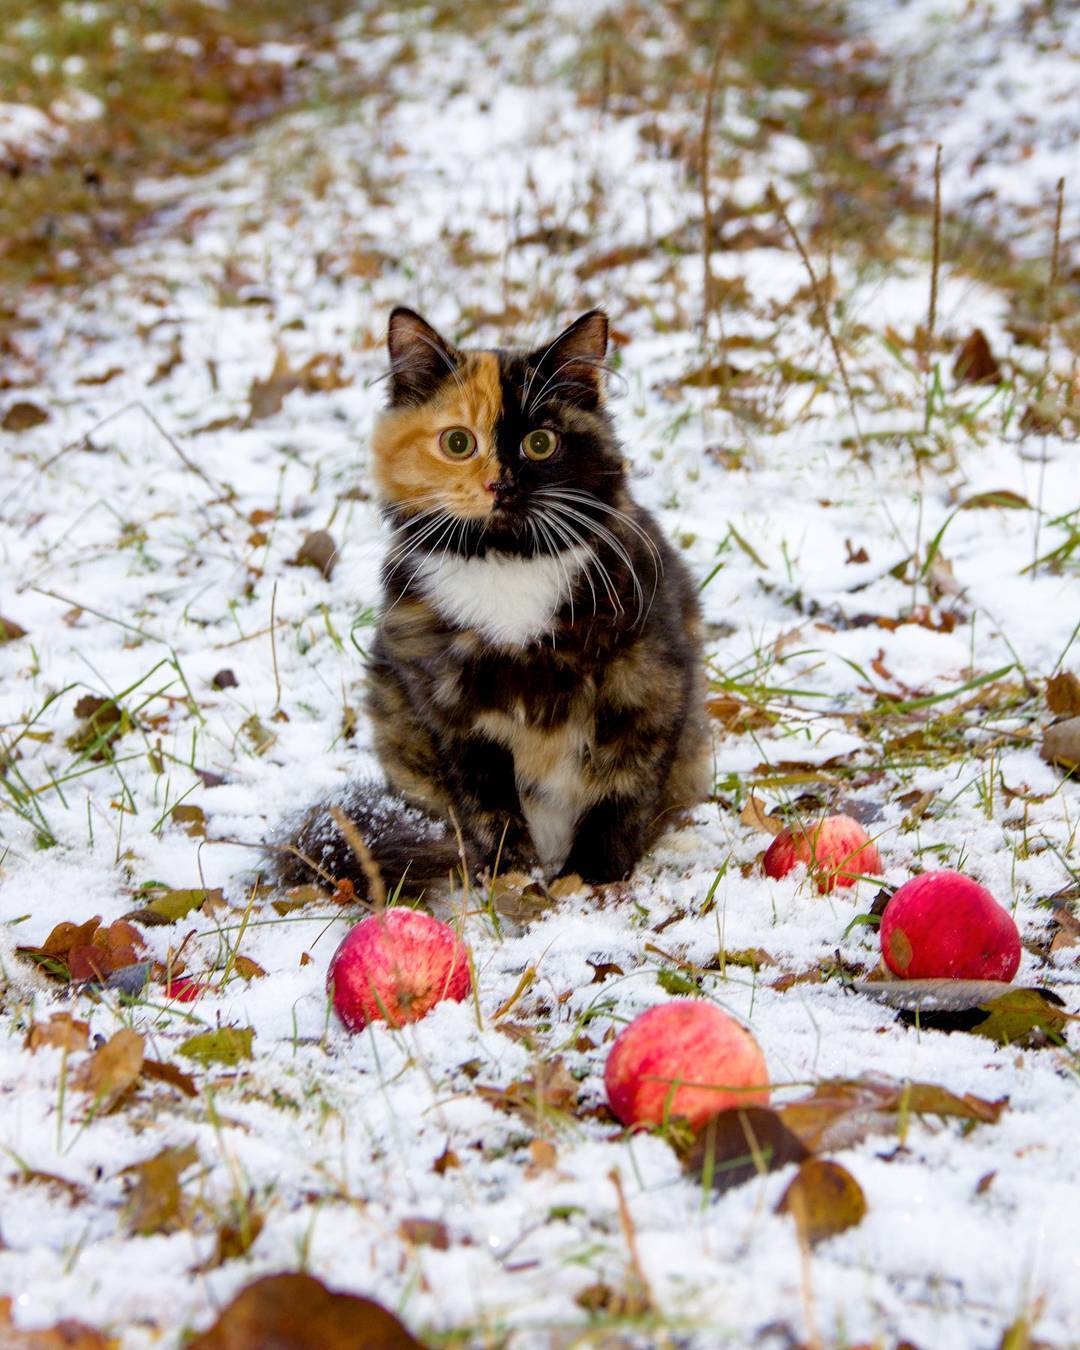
(406, 845)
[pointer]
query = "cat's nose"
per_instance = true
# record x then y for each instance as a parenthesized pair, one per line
(492, 487)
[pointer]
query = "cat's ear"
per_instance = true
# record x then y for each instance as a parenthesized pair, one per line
(420, 358)
(571, 368)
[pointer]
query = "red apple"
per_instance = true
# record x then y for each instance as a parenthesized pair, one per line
(684, 1058)
(943, 925)
(838, 851)
(394, 967)
(183, 989)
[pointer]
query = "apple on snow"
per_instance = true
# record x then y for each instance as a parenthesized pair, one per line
(685, 1058)
(395, 966)
(943, 925)
(837, 849)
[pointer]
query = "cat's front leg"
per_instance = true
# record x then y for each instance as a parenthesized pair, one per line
(480, 774)
(609, 840)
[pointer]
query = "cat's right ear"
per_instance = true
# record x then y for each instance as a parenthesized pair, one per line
(420, 358)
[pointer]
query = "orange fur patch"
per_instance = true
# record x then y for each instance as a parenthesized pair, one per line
(411, 469)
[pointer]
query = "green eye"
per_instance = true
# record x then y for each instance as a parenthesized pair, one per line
(540, 444)
(457, 443)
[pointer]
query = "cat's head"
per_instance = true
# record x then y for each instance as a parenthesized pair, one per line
(496, 449)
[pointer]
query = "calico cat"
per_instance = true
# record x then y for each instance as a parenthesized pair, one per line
(535, 684)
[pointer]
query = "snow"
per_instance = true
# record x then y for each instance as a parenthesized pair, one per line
(133, 560)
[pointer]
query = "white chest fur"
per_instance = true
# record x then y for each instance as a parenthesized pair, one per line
(508, 600)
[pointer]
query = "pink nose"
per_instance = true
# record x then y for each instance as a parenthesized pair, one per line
(491, 487)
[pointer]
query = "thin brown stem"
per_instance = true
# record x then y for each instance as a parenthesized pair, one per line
(823, 311)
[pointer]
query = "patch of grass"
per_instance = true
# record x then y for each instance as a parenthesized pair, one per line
(137, 91)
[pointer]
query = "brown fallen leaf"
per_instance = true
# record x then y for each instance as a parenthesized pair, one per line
(21, 416)
(72, 1191)
(824, 1199)
(161, 1071)
(1003, 499)
(317, 375)
(10, 630)
(112, 1070)
(1063, 694)
(318, 550)
(65, 1335)
(756, 814)
(975, 362)
(298, 1312)
(551, 1088)
(156, 1201)
(1061, 743)
(841, 1112)
(737, 1145)
(61, 1030)
(191, 819)
(425, 1233)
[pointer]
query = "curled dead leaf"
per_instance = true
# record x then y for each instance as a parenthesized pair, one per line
(975, 362)
(61, 1030)
(841, 1112)
(23, 415)
(756, 814)
(298, 1312)
(1061, 743)
(156, 1201)
(737, 1145)
(824, 1199)
(10, 630)
(318, 550)
(1063, 694)
(112, 1070)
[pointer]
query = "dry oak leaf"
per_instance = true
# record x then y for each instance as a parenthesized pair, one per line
(824, 1199)
(65, 1335)
(841, 1112)
(298, 1312)
(112, 1070)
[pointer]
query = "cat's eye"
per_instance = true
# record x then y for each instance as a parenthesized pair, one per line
(457, 443)
(540, 444)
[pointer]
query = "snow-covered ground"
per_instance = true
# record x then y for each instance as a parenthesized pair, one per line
(148, 532)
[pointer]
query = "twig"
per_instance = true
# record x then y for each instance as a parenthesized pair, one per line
(1048, 328)
(355, 840)
(823, 310)
(935, 269)
(706, 205)
(273, 647)
(626, 1222)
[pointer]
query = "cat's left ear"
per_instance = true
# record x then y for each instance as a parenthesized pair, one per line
(571, 368)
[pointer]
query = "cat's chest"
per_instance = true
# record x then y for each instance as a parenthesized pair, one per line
(509, 601)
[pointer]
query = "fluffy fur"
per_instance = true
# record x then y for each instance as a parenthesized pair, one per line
(536, 675)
